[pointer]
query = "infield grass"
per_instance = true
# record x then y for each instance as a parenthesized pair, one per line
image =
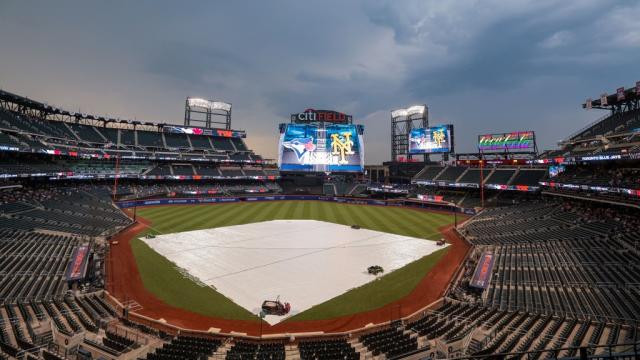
(162, 279)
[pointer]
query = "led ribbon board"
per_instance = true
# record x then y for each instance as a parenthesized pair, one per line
(203, 131)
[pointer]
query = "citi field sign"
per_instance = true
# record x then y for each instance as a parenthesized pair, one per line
(312, 115)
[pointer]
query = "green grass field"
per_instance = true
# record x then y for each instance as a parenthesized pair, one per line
(165, 282)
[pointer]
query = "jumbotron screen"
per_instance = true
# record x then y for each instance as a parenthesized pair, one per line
(435, 139)
(321, 147)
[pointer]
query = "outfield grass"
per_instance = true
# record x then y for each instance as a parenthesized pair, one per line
(165, 282)
(389, 288)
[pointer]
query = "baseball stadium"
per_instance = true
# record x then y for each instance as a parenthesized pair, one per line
(150, 240)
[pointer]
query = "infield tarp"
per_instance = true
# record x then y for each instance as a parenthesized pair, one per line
(305, 262)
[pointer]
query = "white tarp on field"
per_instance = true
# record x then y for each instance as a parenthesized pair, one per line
(305, 262)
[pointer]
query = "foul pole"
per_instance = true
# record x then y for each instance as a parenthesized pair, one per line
(481, 183)
(115, 180)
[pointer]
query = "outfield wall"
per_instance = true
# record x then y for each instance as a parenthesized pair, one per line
(346, 200)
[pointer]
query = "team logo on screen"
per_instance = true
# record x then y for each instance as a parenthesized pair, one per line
(439, 136)
(341, 146)
(300, 146)
(320, 147)
(437, 139)
(419, 140)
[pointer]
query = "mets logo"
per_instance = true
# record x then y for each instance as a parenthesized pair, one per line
(439, 137)
(300, 146)
(341, 146)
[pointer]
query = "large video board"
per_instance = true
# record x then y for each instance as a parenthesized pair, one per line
(321, 147)
(435, 139)
(515, 141)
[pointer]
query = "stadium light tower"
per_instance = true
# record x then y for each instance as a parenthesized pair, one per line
(402, 122)
(200, 112)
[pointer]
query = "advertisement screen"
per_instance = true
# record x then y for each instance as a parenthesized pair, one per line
(519, 141)
(482, 275)
(321, 148)
(435, 139)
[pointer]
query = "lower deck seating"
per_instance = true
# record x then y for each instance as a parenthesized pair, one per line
(33, 265)
(21, 328)
(560, 258)
(391, 342)
(327, 349)
(242, 350)
(186, 347)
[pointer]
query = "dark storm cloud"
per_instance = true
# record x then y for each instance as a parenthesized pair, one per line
(528, 67)
(384, 14)
(483, 66)
(510, 52)
(194, 64)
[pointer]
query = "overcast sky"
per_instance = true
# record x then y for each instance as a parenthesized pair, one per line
(484, 66)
